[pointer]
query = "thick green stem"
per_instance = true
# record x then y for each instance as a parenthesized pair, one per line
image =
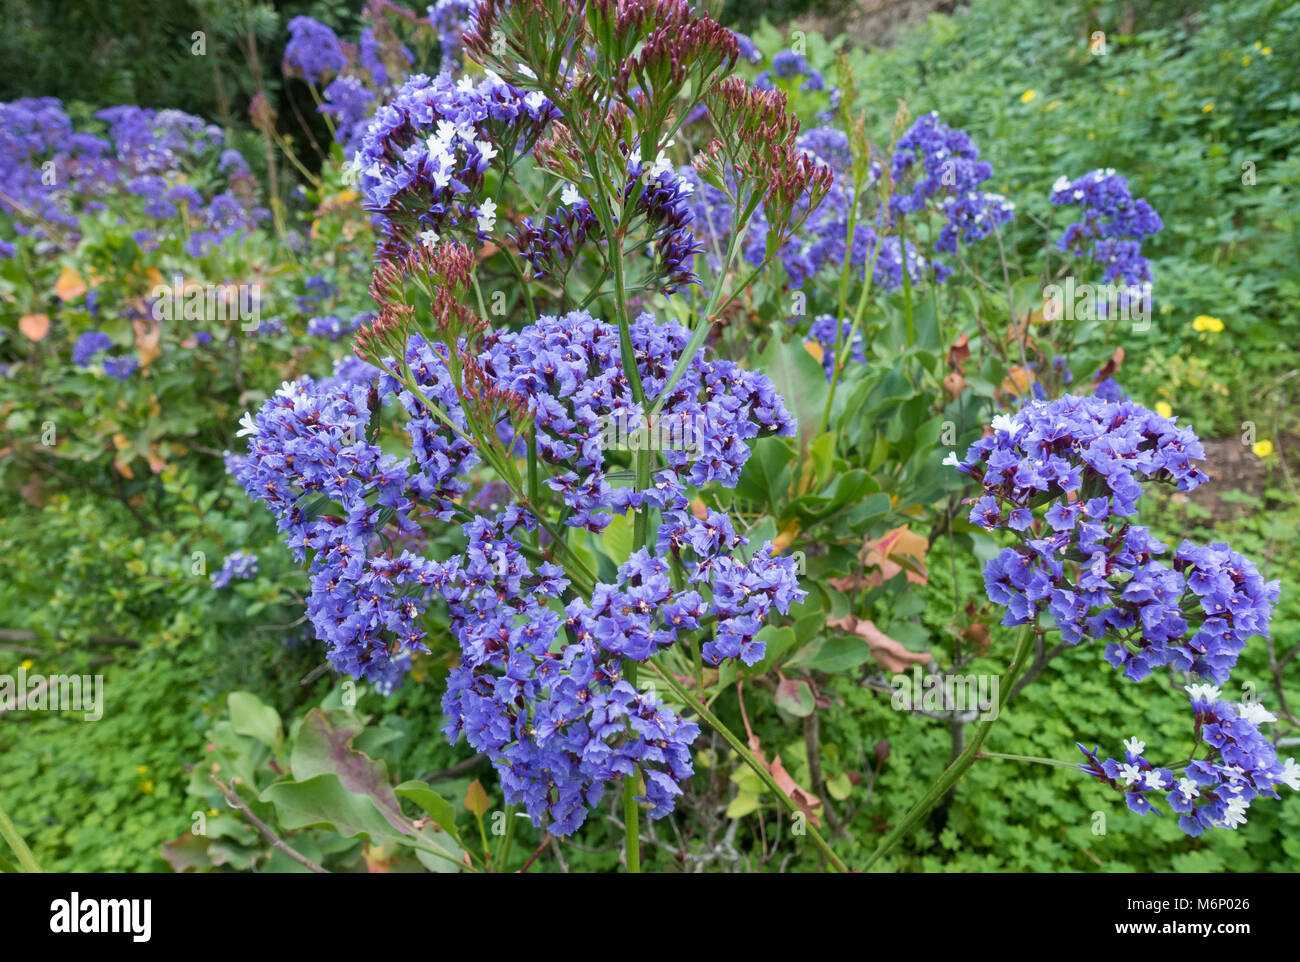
(953, 773)
(21, 851)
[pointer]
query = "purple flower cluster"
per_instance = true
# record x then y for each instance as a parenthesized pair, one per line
(313, 51)
(823, 239)
(333, 327)
(423, 157)
(933, 164)
(540, 685)
(826, 332)
(88, 345)
(550, 244)
(663, 200)
(237, 566)
(1097, 576)
(54, 175)
(559, 721)
(121, 366)
(350, 102)
(1113, 225)
(332, 494)
(1215, 791)
(452, 19)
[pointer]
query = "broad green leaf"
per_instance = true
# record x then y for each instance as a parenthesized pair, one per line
(248, 716)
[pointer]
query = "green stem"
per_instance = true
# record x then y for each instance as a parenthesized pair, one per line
(751, 760)
(1030, 758)
(631, 812)
(10, 835)
(632, 824)
(953, 773)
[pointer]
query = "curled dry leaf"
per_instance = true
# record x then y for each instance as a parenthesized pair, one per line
(35, 326)
(69, 285)
(900, 550)
(147, 337)
(1113, 365)
(807, 802)
(892, 655)
(959, 353)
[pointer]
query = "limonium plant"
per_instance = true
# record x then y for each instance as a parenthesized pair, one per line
(559, 667)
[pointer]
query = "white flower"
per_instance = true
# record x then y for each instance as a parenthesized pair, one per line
(535, 100)
(526, 71)
(486, 150)
(247, 425)
(1130, 773)
(1154, 779)
(465, 85)
(1255, 713)
(1188, 789)
(1002, 422)
(447, 132)
(373, 170)
(1134, 747)
(1208, 693)
(951, 460)
(570, 196)
(1290, 774)
(428, 237)
(661, 166)
(487, 215)
(1235, 814)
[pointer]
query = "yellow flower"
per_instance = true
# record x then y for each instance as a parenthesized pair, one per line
(1262, 449)
(212, 811)
(1053, 105)
(142, 768)
(1245, 61)
(1266, 51)
(27, 664)
(1258, 45)
(1164, 410)
(1027, 96)
(1203, 322)
(147, 787)
(1207, 108)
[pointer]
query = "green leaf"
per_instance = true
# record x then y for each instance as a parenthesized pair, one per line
(794, 695)
(438, 807)
(836, 653)
(476, 799)
(800, 380)
(839, 787)
(248, 716)
(616, 539)
(742, 805)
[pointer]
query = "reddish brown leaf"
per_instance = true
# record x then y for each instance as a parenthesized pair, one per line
(892, 655)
